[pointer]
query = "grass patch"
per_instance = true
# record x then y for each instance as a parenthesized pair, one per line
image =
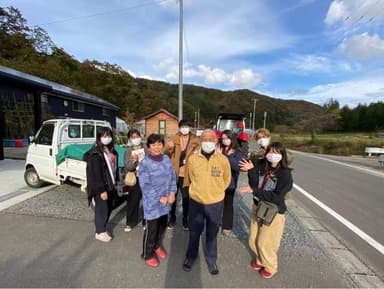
(336, 144)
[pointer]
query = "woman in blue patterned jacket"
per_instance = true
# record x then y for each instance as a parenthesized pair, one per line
(158, 186)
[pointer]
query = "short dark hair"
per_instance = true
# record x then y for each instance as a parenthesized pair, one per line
(185, 122)
(154, 137)
(133, 131)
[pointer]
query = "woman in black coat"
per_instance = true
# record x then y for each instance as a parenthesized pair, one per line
(102, 176)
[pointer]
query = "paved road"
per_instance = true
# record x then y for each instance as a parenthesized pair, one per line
(356, 193)
(48, 241)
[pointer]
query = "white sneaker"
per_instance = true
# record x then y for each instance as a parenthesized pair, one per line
(103, 237)
(127, 229)
(227, 233)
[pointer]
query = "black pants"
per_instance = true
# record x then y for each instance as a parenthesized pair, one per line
(210, 215)
(228, 209)
(153, 236)
(133, 205)
(185, 203)
(103, 210)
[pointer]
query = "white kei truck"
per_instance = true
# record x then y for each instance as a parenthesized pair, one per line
(55, 154)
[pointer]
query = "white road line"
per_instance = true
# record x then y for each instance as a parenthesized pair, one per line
(22, 197)
(379, 247)
(367, 170)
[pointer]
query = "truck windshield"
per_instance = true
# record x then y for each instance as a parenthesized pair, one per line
(229, 124)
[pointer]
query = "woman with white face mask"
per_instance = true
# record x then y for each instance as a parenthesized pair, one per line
(263, 139)
(269, 181)
(134, 154)
(230, 148)
(102, 176)
(179, 148)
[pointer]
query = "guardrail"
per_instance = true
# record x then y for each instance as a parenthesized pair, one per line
(372, 150)
(381, 160)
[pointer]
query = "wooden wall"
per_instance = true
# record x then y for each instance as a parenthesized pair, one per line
(152, 124)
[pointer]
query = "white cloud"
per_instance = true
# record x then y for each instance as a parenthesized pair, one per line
(351, 93)
(311, 63)
(241, 78)
(337, 12)
(363, 46)
(355, 12)
(245, 78)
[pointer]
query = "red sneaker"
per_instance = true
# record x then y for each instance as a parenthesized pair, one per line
(256, 266)
(161, 253)
(153, 262)
(265, 274)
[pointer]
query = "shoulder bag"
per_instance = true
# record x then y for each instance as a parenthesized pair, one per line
(266, 212)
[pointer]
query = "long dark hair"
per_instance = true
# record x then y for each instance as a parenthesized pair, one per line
(279, 147)
(104, 131)
(234, 144)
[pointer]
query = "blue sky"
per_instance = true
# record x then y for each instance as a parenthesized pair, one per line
(313, 50)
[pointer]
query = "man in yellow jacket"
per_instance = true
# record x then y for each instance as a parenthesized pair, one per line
(209, 173)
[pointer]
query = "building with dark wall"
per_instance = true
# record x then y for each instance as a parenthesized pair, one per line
(26, 101)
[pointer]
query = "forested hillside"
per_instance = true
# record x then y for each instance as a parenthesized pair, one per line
(31, 50)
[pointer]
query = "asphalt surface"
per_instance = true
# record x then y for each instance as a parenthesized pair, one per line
(50, 243)
(353, 191)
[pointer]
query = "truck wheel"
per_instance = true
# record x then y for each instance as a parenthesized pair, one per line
(32, 178)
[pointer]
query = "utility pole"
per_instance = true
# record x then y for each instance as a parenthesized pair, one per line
(250, 120)
(265, 118)
(253, 115)
(198, 117)
(2, 130)
(181, 61)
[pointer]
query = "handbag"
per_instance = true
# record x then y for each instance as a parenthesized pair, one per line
(130, 179)
(266, 212)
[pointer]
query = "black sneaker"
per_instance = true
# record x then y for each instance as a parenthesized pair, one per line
(185, 226)
(187, 265)
(212, 268)
(171, 224)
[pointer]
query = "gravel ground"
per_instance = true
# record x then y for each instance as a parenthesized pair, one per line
(69, 202)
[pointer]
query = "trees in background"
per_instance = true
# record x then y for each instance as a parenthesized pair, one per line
(363, 117)
(31, 50)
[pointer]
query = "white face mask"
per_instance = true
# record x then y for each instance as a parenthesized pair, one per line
(106, 140)
(208, 146)
(184, 130)
(264, 142)
(136, 141)
(273, 158)
(227, 142)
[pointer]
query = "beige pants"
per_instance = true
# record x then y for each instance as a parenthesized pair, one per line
(264, 240)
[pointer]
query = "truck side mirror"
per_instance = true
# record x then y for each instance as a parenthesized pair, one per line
(31, 139)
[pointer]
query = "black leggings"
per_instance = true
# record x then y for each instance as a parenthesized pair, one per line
(153, 236)
(228, 209)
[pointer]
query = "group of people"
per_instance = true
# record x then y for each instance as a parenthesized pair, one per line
(205, 171)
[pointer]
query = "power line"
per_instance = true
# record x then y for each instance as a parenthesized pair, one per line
(115, 11)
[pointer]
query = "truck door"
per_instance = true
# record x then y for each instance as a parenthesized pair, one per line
(41, 155)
